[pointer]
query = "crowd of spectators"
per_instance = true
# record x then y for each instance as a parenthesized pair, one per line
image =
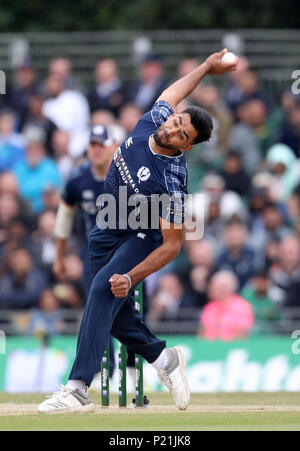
(238, 276)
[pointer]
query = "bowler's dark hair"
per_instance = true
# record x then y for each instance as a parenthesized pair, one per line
(201, 121)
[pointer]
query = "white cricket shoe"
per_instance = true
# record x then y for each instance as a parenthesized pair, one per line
(67, 399)
(173, 375)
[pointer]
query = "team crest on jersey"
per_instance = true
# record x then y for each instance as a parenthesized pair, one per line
(87, 194)
(143, 174)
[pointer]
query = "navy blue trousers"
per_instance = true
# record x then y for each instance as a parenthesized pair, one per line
(105, 314)
(87, 282)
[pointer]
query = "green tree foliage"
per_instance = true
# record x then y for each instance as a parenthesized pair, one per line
(64, 15)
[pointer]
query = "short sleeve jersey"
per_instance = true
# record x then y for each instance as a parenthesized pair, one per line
(82, 189)
(136, 166)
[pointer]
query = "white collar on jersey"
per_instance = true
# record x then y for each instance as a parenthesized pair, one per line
(161, 155)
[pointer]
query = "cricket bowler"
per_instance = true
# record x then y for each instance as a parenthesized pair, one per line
(149, 162)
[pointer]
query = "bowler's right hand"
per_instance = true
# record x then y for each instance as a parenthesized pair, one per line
(217, 67)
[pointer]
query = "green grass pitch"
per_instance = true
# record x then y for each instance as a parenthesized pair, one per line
(207, 412)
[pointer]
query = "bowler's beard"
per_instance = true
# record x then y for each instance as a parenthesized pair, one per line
(162, 142)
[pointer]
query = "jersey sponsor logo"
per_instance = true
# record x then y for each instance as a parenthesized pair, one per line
(123, 170)
(128, 142)
(143, 174)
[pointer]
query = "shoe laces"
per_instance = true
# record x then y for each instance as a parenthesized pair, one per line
(165, 377)
(62, 392)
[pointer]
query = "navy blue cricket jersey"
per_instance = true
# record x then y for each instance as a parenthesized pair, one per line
(82, 189)
(136, 166)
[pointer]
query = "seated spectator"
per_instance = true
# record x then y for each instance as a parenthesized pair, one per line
(12, 144)
(197, 270)
(233, 93)
(25, 85)
(285, 275)
(68, 110)
(69, 290)
(246, 87)
(237, 256)
(46, 319)
(102, 117)
(208, 96)
(51, 198)
(36, 127)
(44, 241)
(246, 136)
(23, 283)
(130, 114)
(259, 293)
(62, 67)
(289, 133)
(227, 316)
(217, 205)
(109, 91)
(273, 229)
(286, 172)
(170, 300)
(151, 82)
(35, 174)
(60, 145)
(257, 202)
(236, 179)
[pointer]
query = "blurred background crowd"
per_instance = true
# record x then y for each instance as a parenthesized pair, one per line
(242, 277)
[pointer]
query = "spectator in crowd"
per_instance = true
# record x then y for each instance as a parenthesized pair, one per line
(151, 82)
(272, 230)
(185, 67)
(170, 300)
(237, 256)
(25, 85)
(217, 205)
(12, 144)
(227, 316)
(236, 179)
(50, 198)
(286, 172)
(259, 293)
(246, 87)
(35, 174)
(285, 276)
(69, 292)
(257, 201)
(9, 187)
(289, 133)
(60, 145)
(208, 96)
(35, 126)
(233, 94)
(62, 67)
(68, 110)
(130, 114)
(23, 283)
(46, 319)
(245, 137)
(44, 241)
(109, 92)
(196, 272)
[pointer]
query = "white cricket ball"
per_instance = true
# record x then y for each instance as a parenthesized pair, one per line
(229, 57)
